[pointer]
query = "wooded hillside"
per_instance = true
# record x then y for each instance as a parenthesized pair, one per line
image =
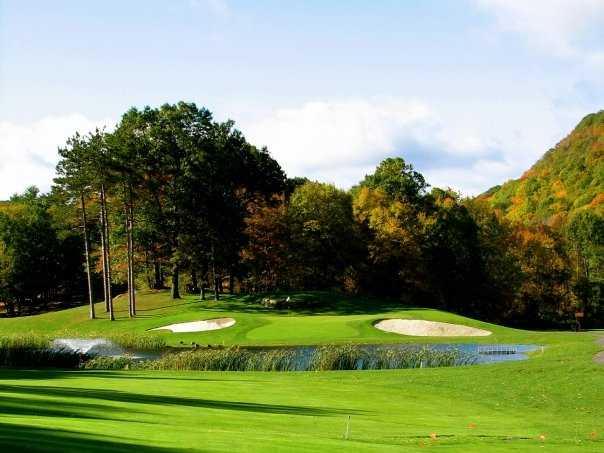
(566, 180)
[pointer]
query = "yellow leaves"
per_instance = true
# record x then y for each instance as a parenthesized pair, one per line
(427, 221)
(563, 181)
(13, 209)
(312, 225)
(597, 200)
(557, 220)
(391, 226)
(536, 236)
(449, 202)
(366, 201)
(559, 189)
(393, 222)
(384, 216)
(517, 200)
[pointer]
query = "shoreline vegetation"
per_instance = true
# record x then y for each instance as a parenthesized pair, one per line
(39, 352)
(324, 358)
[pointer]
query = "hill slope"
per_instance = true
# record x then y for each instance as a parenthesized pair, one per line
(333, 318)
(568, 178)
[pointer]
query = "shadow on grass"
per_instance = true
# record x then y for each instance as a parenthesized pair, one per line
(19, 438)
(301, 303)
(32, 403)
(12, 374)
(163, 307)
(139, 398)
(26, 407)
(305, 303)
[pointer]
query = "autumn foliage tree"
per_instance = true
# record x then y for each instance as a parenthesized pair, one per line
(172, 197)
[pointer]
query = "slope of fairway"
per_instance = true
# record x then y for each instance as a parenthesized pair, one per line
(552, 402)
(333, 319)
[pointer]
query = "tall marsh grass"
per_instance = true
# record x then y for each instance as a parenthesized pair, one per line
(137, 341)
(231, 359)
(29, 340)
(357, 357)
(25, 351)
(322, 358)
(36, 351)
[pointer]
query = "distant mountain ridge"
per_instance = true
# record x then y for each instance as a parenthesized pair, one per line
(567, 179)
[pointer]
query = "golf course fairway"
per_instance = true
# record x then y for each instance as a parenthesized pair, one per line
(551, 402)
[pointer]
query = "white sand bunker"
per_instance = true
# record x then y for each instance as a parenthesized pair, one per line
(419, 328)
(199, 326)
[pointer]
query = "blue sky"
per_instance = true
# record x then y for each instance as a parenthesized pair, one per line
(469, 91)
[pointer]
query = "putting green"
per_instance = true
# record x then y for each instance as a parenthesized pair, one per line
(300, 328)
(338, 319)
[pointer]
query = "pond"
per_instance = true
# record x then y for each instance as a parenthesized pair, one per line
(379, 356)
(302, 358)
(101, 347)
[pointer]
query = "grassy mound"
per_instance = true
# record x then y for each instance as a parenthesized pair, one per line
(312, 318)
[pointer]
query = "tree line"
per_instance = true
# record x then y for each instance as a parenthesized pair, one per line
(172, 198)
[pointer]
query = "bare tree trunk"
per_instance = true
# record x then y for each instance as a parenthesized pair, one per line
(175, 282)
(87, 254)
(158, 275)
(194, 282)
(132, 269)
(214, 276)
(128, 261)
(204, 281)
(147, 269)
(130, 227)
(104, 261)
(107, 250)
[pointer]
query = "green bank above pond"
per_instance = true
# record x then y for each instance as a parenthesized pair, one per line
(312, 318)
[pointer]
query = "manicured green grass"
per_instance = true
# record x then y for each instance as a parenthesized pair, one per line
(336, 319)
(552, 402)
(504, 407)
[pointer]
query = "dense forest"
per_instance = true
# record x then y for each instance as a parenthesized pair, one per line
(567, 180)
(173, 199)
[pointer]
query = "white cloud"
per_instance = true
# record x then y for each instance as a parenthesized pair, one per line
(327, 134)
(219, 8)
(341, 141)
(28, 152)
(473, 179)
(559, 27)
